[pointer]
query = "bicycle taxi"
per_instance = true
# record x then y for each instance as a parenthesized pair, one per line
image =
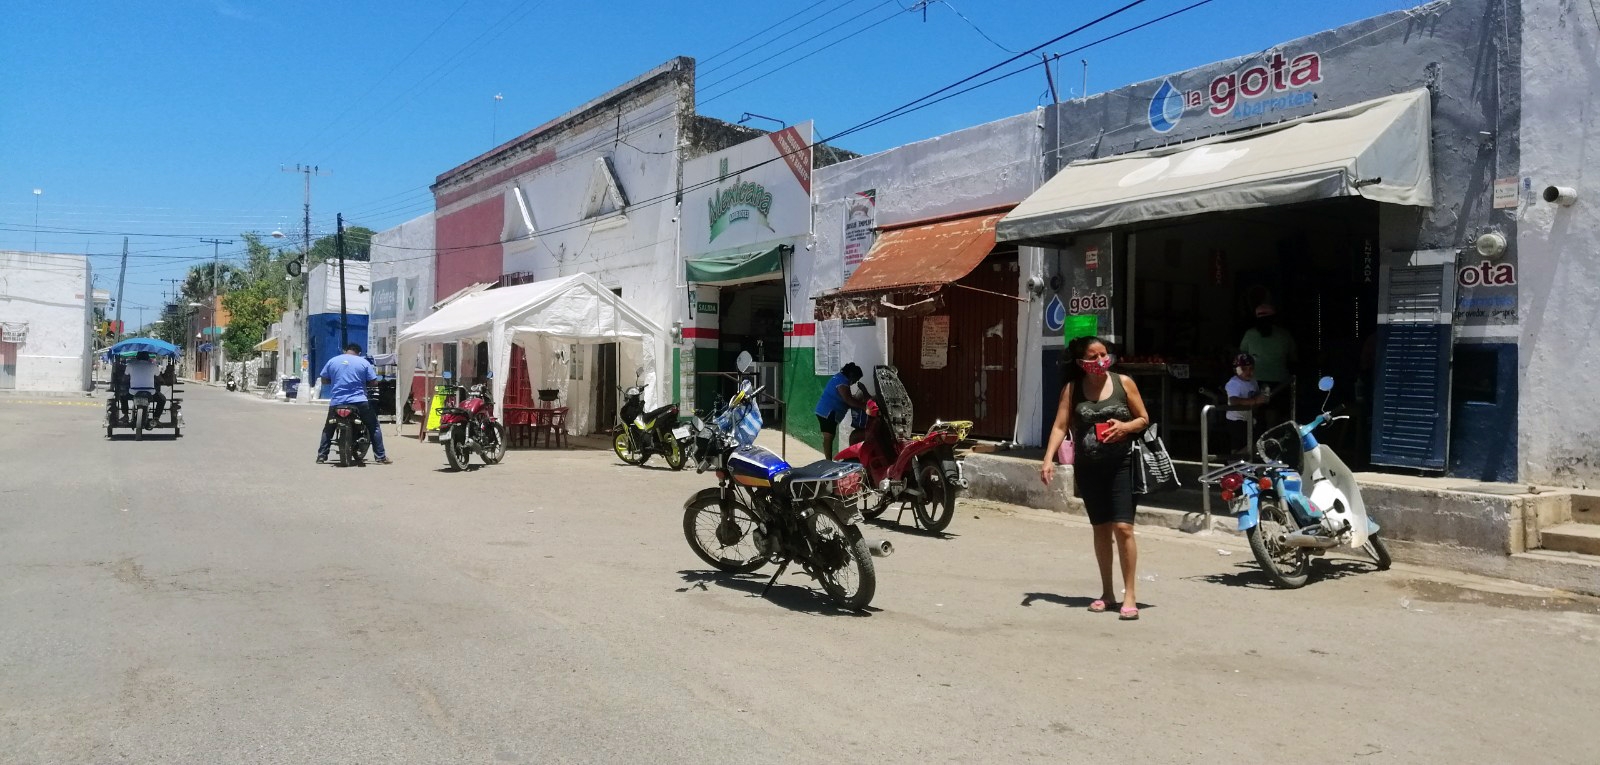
(137, 402)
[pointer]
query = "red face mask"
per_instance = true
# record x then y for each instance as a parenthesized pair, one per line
(1097, 367)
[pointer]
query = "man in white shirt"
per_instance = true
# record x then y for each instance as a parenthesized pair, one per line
(142, 377)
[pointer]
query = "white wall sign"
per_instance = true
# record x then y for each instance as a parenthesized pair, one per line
(754, 193)
(830, 346)
(860, 218)
(935, 342)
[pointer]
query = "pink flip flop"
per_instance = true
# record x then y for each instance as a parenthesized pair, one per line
(1128, 613)
(1098, 606)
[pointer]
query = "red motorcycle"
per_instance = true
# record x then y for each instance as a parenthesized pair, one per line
(470, 427)
(917, 471)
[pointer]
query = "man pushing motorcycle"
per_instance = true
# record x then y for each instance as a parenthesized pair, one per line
(346, 376)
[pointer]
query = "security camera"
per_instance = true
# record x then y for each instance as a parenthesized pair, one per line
(1561, 195)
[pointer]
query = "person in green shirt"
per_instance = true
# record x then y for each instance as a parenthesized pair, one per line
(1274, 351)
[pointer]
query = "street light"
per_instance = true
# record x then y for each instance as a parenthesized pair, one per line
(36, 194)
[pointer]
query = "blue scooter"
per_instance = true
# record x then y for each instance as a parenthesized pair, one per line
(1286, 525)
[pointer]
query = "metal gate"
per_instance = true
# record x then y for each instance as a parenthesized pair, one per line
(1411, 401)
(979, 379)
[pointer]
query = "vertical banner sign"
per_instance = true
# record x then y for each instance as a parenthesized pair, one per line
(830, 346)
(410, 300)
(935, 342)
(860, 216)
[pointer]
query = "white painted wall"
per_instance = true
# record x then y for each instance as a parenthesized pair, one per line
(1559, 247)
(981, 167)
(51, 294)
(404, 253)
(325, 288)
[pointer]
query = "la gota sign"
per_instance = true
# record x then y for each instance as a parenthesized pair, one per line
(1276, 83)
(756, 193)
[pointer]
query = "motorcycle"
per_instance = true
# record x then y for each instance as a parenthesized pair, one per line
(763, 510)
(1287, 526)
(641, 434)
(349, 436)
(231, 383)
(919, 472)
(470, 427)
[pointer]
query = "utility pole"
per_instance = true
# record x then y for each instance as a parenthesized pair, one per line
(305, 272)
(121, 276)
(338, 247)
(216, 344)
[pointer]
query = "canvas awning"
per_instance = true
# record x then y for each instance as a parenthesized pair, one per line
(1379, 150)
(268, 345)
(915, 261)
(737, 267)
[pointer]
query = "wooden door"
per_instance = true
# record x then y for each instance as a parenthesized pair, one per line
(979, 379)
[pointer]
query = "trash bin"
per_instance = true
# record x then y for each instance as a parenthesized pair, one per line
(291, 387)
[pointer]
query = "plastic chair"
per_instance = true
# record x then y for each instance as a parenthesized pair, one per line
(553, 424)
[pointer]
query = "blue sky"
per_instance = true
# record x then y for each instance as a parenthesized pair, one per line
(169, 121)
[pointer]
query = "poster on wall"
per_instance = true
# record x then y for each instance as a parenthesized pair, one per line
(935, 342)
(409, 304)
(830, 346)
(384, 298)
(860, 217)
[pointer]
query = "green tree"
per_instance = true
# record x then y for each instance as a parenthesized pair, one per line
(260, 298)
(357, 246)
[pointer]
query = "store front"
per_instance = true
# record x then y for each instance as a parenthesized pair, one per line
(746, 217)
(1173, 254)
(949, 295)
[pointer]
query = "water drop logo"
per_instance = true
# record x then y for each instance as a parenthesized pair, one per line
(1166, 107)
(1055, 315)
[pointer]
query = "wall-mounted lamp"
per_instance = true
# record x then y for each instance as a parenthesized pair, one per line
(1491, 245)
(1561, 195)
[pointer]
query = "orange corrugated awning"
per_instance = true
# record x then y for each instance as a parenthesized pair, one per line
(928, 255)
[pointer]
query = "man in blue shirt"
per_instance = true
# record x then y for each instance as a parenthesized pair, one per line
(346, 377)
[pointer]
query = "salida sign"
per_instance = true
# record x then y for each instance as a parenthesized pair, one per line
(1241, 94)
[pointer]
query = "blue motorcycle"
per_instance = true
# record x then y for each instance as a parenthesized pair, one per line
(1285, 524)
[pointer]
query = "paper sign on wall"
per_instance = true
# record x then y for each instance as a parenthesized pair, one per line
(860, 216)
(1505, 193)
(830, 346)
(935, 342)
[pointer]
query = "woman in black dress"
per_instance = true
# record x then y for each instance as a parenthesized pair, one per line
(1102, 411)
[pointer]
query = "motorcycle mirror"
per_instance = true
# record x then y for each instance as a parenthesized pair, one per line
(745, 363)
(447, 374)
(490, 375)
(1325, 384)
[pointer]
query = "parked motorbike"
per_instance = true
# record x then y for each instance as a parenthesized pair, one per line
(470, 427)
(641, 434)
(231, 383)
(763, 510)
(349, 436)
(1287, 526)
(917, 472)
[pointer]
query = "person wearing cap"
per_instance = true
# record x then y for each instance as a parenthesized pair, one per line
(1271, 346)
(1244, 392)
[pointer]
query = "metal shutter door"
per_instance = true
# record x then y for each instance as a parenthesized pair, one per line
(1411, 402)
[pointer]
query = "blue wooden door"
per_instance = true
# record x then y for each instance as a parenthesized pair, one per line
(1411, 401)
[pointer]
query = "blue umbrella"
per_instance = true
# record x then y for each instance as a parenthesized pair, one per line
(134, 345)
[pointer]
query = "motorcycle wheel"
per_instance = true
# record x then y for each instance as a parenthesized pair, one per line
(494, 450)
(844, 562)
(457, 454)
(673, 453)
(937, 507)
(347, 449)
(111, 419)
(883, 502)
(730, 548)
(1379, 552)
(622, 444)
(1288, 567)
(138, 424)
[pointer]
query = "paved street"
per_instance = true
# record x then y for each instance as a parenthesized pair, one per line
(220, 599)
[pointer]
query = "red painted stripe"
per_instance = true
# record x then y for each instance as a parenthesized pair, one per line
(701, 333)
(803, 330)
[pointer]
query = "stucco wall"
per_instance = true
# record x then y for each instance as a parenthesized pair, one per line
(1560, 246)
(981, 167)
(49, 293)
(405, 253)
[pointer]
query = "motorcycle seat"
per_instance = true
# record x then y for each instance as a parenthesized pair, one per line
(822, 470)
(656, 413)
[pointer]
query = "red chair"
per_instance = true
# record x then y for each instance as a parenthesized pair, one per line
(519, 426)
(552, 422)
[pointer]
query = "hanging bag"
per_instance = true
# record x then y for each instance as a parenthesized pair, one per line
(1153, 469)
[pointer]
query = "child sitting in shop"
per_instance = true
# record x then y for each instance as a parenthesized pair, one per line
(1242, 392)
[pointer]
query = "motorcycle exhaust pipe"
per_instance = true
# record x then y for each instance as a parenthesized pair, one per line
(880, 548)
(1302, 539)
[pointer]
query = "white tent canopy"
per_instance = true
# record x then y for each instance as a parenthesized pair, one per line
(545, 318)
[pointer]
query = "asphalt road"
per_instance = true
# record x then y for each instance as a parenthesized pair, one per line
(220, 599)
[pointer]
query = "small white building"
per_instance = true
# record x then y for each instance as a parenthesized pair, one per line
(402, 280)
(46, 322)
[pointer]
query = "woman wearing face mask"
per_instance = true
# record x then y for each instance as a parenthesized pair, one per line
(1101, 411)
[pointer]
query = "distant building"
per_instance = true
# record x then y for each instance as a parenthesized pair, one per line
(46, 322)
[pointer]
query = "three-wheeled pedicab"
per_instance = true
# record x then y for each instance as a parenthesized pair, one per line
(144, 396)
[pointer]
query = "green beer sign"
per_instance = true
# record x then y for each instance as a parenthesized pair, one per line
(736, 203)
